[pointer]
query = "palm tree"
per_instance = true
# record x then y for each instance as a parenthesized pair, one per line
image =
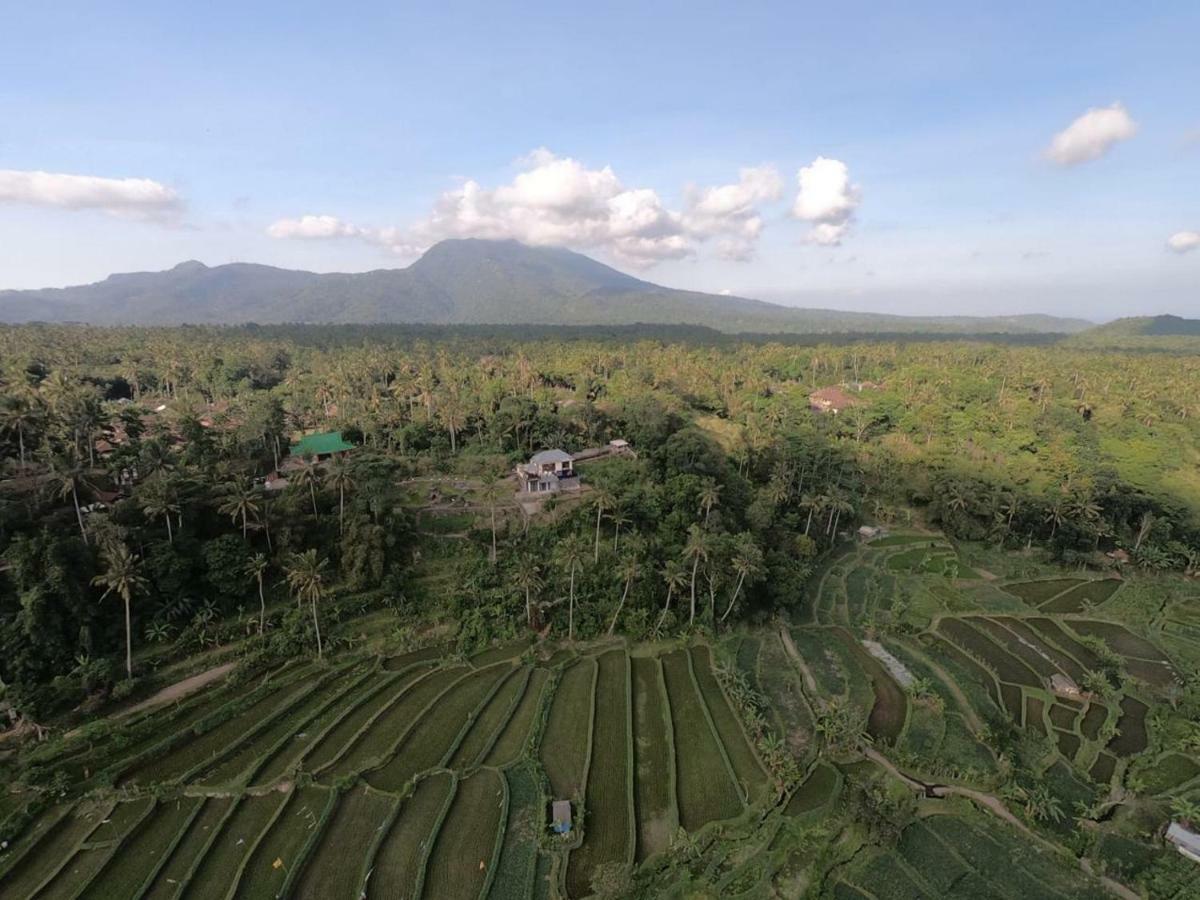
(121, 577)
(67, 471)
(674, 577)
(1187, 811)
(618, 519)
(628, 571)
(337, 476)
(710, 496)
(1055, 517)
(307, 476)
(256, 568)
(306, 578)
(697, 549)
(17, 415)
(528, 579)
(570, 556)
(158, 501)
(747, 563)
(491, 493)
(604, 501)
(241, 501)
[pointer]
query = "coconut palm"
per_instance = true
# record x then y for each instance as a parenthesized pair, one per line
(121, 577)
(528, 579)
(709, 496)
(307, 476)
(698, 548)
(306, 579)
(67, 473)
(158, 501)
(629, 569)
(256, 569)
(747, 563)
(241, 502)
(339, 478)
(603, 501)
(18, 415)
(674, 576)
(491, 493)
(570, 557)
(618, 519)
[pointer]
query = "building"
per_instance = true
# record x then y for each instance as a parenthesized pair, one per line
(321, 445)
(1185, 840)
(1064, 685)
(548, 471)
(560, 813)
(831, 400)
(870, 532)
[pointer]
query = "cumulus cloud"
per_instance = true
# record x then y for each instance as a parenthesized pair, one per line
(314, 228)
(1091, 135)
(729, 212)
(129, 197)
(827, 199)
(560, 201)
(1184, 241)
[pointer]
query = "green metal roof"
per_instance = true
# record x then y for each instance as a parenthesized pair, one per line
(320, 444)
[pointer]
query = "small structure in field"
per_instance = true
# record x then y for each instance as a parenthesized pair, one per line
(830, 400)
(322, 446)
(1185, 840)
(870, 532)
(619, 445)
(548, 471)
(1064, 685)
(560, 817)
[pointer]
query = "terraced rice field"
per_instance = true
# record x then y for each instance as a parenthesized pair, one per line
(567, 741)
(653, 755)
(465, 850)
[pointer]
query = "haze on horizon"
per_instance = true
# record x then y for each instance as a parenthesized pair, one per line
(931, 159)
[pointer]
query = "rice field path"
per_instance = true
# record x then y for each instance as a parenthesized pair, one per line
(179, 689)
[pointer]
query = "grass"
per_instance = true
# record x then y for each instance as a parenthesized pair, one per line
(511, 741)
(519, 852)
(746, 767)
(564, 749)
(656, 816)
(190, 755)
(435, 733)
(466, 844)
(246, 758)
(145, 850)
(188, 850)
(399, 863)
(1121, 640)
(921, 849)
(607, 833)
(335, 740)
(405, 660)
(490, 721)
(493, 655)
(233, 844)
(380, 741)
(1169, 772)
(1131, 729)
(97, 848)
(960, 664)
(287, 840)
(781, 685)
(56, 844)
(1035, 593)
(816, 791)
(1007, 667)
(356, 825)
(704, 785)
(1084, 596)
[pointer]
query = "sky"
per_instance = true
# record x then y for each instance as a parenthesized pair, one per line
(914, 158)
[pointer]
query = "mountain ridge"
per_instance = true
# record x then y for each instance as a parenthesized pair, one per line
(461, 281)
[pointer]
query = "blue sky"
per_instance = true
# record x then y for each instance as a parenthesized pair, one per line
(669, 141)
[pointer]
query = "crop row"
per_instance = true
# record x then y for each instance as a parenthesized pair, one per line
(654, 775)
(567, 739)
(749, 771)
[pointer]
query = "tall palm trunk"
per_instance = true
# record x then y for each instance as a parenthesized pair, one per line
(170, 533)
(808, 524)
(528, 608)
(341, 508)
(695, 566)
(493, 559)
(21, 443)
(128, 640)
(732, 600)
(312, 492)
(571, 609)
(666, 606)
(620, 606)
(317, 627)
(262, 605)
(78, 512)
(597, 554)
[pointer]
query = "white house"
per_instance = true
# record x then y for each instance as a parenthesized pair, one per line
(1185, 840)
(549, 470)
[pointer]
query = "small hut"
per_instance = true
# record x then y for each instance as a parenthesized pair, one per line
(560, 812)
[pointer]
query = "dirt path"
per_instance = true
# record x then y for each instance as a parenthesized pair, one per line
(179, 689)
(810, 683)
(965, 707)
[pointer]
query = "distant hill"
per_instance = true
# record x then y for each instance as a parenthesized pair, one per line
(1143, 332)
(458, 282)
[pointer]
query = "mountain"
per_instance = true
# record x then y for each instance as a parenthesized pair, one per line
(1171, 333)
(456, 282)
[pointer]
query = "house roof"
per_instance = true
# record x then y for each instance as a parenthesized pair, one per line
(551, 456)
(320, 444)
(561, 809)
(833, 396)
(1186, 840)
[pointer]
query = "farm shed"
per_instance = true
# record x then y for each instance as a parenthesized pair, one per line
(321, 445)
(561, 816)
(869, 532)
(1064, 685)
(1185, 840)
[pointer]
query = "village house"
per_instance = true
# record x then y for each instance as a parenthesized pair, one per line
(320, 447)
(830, 400)
(1185, 840)
(560, 814)
(548, 471)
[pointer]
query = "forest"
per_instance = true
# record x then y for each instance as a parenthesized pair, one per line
(155, 521)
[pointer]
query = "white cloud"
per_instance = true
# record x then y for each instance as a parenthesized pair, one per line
(1091, 135)
(827, 199)
(130, 197)
(314, 227)
(729, 211)
(1184, 241)
(559, 201)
